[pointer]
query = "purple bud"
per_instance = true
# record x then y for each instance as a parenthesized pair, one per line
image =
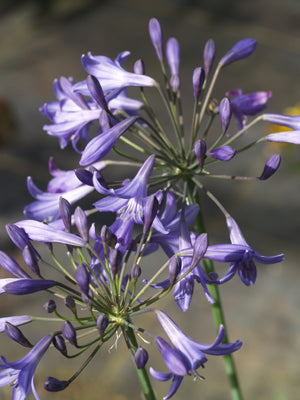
(81, 223)
(65, 211)
(209, 55)
(55, 385)
(271, 166)
(70, 303)
(252, 103)
(10, 265)
(104, 121)
(225, 113)
(69, 332)
(17, 235)
(175, 82)
(60, 344)
(86, 177)
(50, 306)
(156, 37)
(29, 256)
(224, 153)
(200, 247)
(15, 334)
(102, 323)
(240, 50)
(83, 279)
(200, 151)
(135, 271)
(108, 238)
(198, 80)
(173, 57)
(96, 91)
(115, 261)
(139, 67)
(27, 286)
(141, 357)
(174, 268)
(150, 212)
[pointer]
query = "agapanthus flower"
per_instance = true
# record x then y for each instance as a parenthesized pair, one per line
(245, 266)
(15, 320)
(111, 74)
(290, 121)
(240, 50)
(187, 355)
(20, 374)
(292, 137)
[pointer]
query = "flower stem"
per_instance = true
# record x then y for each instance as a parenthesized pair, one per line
(141, 373)
(217, 309)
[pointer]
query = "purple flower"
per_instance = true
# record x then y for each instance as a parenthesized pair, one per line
(128, 201)
(98, 147)
(285, 137)
(240, 50)
(291, 121)
(20, 374)
(16, 320)
(187, 355)
(111, 74)
(173, 57)
(209, 55)
(245, 266)
(271, 166)
(156, 37)
(22, 286)
(224, 153)
(40, 232)
(10, 265)
(247, 104)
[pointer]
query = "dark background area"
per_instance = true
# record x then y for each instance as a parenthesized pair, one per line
(42, 40)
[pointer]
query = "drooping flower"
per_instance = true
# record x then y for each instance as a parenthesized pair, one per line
(187, 355)
(240, 50)
(245, 266)
(20, 374)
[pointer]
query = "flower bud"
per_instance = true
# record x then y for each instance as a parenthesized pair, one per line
(104, 121)
(69, 332)
(96, 91)
(135, 272)
(198, 80)
(60, 344)
(85, 176)
(102, 323)
(70, 303)
(83, 279)
(55, 385)
(139, 67)
(115, 261)
(141, 357)
(50, 306)
(156, 38)
(150, 212)
(174, 268)
(240, 50)
(11, 266)
(209, 55)
(15, 334)
(271, 166)
(65, 211)
(30, 258)
(225, 113)
(200, 151)
(224, 153)
(199, 248)
(81, 223)
(108, 238)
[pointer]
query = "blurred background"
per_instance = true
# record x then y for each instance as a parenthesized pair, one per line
(42, 40)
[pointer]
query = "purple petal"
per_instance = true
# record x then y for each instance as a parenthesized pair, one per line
(291, 121)
(40, 232)
(98, 147)
(271, 166)
(10, 265)
(285, 137)
(16, 320)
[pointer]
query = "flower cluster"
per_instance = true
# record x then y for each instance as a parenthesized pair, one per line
(102, 285)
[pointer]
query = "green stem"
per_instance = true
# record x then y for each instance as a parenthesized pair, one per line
(217, 309)
(141, 373)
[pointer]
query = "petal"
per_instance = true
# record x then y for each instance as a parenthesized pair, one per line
(285, 137)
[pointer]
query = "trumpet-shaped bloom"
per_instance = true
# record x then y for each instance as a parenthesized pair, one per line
(20, 374)
(245, 266)
(111, 74)
(290, 121)
(285, 137)
(187, 355)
